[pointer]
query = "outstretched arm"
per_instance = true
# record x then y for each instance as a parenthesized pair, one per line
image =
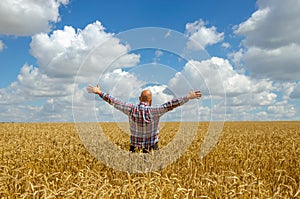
(121, 106)
(170, 105)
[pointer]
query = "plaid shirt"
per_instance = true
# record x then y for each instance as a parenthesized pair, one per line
(143, 119)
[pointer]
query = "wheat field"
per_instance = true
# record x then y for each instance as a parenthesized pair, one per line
(250, 160)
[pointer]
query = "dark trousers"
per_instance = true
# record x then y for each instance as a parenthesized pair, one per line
(134, 149)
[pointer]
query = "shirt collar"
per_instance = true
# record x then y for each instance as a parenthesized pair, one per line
(144, 103)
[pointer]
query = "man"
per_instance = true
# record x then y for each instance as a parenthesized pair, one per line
(143, 117)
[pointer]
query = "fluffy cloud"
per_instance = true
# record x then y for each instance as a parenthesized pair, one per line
(47, 90)
(27, 17)
(226, 45)
(253, 99)
(216, 77)
(160, 94)
(285, 89)
(274, 24)
(217, 80)
(63, 52)
(200, 36)
(10, 95)
(37, 84)
(121, 84)
(281, 110)
(272, 40)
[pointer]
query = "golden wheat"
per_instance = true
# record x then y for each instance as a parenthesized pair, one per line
(250, 160)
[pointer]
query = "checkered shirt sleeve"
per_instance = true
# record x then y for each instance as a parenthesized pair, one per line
(118, 104)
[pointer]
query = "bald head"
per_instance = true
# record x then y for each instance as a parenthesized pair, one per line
(146, 96)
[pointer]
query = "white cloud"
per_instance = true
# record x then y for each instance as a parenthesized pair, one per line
(275, 24)
(295, 91)
(17, 113)
(216, 76)
(200, 36)
(242, 113)
(158, 54)
(159, 96)
(281, 110)
(2, 45)
(272, 40)
(37, 84)
(64, 51)
(32, 95)
(121, 84)
(27, 17)
(280, 63)
(236, 58)
(253, 99)
(285, 89)
(226, 45)
(47, 90)
(253, 23)
(11, 95)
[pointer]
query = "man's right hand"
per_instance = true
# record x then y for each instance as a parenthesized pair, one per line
(194, 95)
(94, 89)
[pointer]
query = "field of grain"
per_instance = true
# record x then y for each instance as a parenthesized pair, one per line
(250, 160)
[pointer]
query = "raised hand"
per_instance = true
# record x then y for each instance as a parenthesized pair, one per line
(94, 89)
(194, 95)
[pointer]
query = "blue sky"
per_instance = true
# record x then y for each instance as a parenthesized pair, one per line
(48, 53)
